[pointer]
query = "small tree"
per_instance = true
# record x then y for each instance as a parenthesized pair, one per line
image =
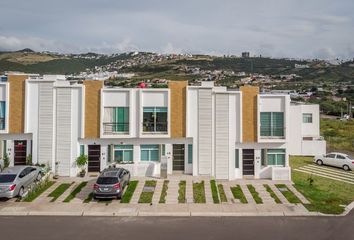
(6, 161)
(81, 162)
(29, 159)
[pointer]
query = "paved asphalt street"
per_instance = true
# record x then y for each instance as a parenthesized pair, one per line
(169, 228)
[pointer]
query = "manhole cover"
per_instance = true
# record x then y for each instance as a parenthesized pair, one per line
(148, 189)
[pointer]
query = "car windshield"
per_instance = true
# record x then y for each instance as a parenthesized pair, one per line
(5, 178)
(107, 180)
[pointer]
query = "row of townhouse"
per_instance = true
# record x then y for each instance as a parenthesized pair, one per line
(198, 130)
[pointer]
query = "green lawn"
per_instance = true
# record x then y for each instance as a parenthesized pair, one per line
(38, 190)
(146, 197)
(338, 134)
(254, 194)
(59, 191)
(164, 192)
(182, 192)
(325, 195)
(289, 195)
(272, 194)
(214, 191)
(238, 194)
(223, 197)
(199, 192)
(128, 194)
(75, 192)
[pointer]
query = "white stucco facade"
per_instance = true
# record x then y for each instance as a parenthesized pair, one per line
(54, 130)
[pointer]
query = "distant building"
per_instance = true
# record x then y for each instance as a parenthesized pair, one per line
(245, 54)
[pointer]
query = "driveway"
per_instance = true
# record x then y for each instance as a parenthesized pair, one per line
(328, 172)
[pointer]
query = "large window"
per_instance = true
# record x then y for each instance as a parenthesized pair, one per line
(273, 157)
(155, 119)
(2, 114)
(116, 120)
(272, 124)
(150, 152)
(123, 153)
(307, 117)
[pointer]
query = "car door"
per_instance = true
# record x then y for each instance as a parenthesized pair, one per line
(23, 178)
(329, 159)
(340, 160)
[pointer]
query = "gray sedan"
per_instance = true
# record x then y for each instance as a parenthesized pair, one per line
(15, 180)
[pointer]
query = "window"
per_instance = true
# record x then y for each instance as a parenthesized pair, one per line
(275, 157)
(2, 115)
(155, 119)
(82, 149)
(116, 120)
(307, 117)
(150, 152)
(331, 155)
(123, 153)
(272, 124)
(340, 156)
(237, 158)
(190, 153)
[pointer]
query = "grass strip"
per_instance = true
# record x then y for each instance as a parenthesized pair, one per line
(73, 194)
(199, 192)
(59, 191)
(272, 194)
(146, 197)
(89, 198)
(222, 194)
(128, 194)
(182, 192)
(238, 194)
(287, 193)
(164, 192)
(325, 195)
(38, 190)
(214, 191)
(254, 194)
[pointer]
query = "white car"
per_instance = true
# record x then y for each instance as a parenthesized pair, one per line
(335, 159)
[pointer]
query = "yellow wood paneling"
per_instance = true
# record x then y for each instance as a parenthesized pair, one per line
(92, 108)
(249, 113)
(178, 108)
(17, 103)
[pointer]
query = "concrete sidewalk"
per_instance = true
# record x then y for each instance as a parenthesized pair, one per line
(119, 209)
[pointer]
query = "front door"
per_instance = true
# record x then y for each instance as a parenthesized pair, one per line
(248, 161)
(94, 158)
(20, 152)
(178, 157)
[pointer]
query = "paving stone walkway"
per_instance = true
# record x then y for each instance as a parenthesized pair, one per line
(157, 192)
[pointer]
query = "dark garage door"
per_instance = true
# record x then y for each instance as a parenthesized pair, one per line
(178, 157)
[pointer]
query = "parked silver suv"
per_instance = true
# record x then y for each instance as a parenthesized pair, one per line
(110, 183)
(15, 180)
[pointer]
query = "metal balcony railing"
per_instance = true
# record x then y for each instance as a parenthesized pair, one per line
(272, 132)
(116, 128)
(152, 127)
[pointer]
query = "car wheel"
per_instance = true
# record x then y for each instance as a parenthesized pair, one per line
(319, 162)
(21, 192)
(119, 196)
(346, 168)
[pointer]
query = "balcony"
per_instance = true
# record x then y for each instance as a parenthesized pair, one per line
(115, 128)
(155, 127)
(272, 133)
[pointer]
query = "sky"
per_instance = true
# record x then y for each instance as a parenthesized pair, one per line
(321, 29)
